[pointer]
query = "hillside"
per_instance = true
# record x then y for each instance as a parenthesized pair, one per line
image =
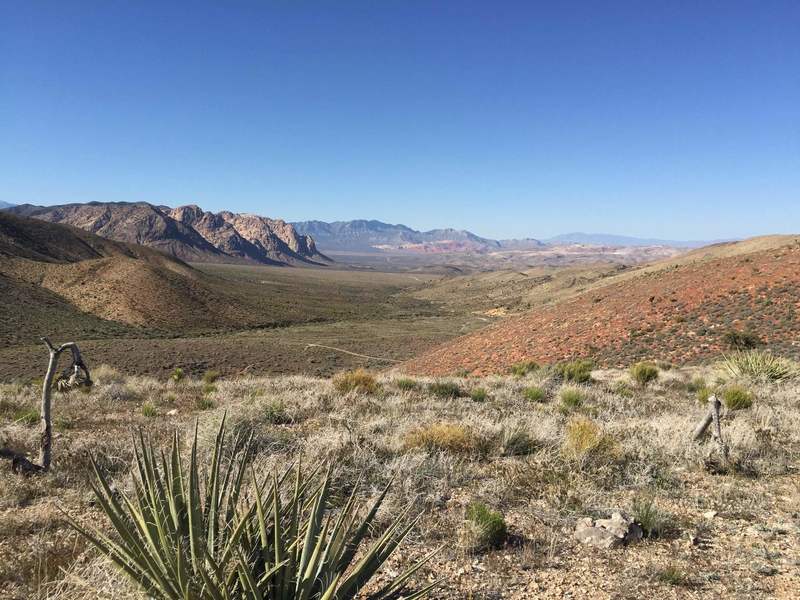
(677, 310)
(58, 277)
(186, 232)
(375, 236)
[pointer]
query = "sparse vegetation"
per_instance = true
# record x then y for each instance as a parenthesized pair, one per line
(741, 340)
(576, 371)
(210, 376)
(406, 384)
(673, 575)
(737, 397)
(479, 394)
(651, 519)
(204, 403)
(483, 528)
(149, 410)
(533, 393)
(358, 381)
(643, 373)
(521, 369)
(520, 443)
(451, 437)
(571, 398)
(445, 389)
(177, 375)
(584, 441)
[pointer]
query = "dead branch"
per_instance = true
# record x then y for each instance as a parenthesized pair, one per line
(76, 375)
(712, 416)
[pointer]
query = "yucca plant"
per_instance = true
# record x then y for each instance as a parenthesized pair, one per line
(221, 534)
(754, 364)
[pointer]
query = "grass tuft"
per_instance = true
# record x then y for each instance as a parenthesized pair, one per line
(576, 371)
(533, 393)
(737, 397)
(644, 373)
(358, 381)
(445, 389)
(484, 528)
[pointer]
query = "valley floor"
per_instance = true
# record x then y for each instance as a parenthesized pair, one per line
(541, 453)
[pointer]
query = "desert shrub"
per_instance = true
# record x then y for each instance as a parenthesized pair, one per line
(759, 365)
(696, 384)
(209, 388)
(276, 414)
(445, 389)
(571, 398)
(741, 340)
(406, 384)
(533, 393)
(105, 374)
(520, 443)
(621, 388)
(451, 437)
(584, 440)
(149, 409)
(664, 365)
(736, 397)
(483, 528)
(203, 403)
(218, 532)
(703, 394)
(479, 394)
(177, 375)
(521, 369)
(653, 521)
(358, 381)
(26, 416)
(643, 373)
(672, 575)
(576, 371)
(210, 376)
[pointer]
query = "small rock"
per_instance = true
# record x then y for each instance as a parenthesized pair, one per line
(710, 514)
(172, 412)
(608, 533)
(597, 537)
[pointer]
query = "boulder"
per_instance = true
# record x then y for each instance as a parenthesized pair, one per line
(619, 530)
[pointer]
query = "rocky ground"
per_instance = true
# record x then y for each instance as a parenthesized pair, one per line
(543, 453)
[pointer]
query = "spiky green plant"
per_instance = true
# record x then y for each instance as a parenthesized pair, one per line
(755, 364)
(221, 534)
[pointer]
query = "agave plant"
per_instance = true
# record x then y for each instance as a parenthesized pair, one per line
(754, 364)
(221, 534)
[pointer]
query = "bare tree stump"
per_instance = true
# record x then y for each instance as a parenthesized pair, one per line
(76, 375)
(712, 417)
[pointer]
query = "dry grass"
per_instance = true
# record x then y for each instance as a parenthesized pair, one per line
(537, 465)
(358, 381)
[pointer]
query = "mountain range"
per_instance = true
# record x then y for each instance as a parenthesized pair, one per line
(187, 232)
(605, 239)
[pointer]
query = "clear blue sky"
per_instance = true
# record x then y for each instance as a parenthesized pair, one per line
(665, 119)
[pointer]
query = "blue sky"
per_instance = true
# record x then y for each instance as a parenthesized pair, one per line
(665, 119)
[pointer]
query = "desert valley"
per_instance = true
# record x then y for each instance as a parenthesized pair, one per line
(541, 383)
(450, 300)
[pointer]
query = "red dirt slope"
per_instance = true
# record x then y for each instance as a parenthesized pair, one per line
(679, 313)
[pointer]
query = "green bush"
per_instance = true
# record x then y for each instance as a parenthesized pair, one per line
(479, 394)
(405, 384)
(484, 528)
(696, 384)
(276, 414)
(653, 521)
(571, 398)
(576, 371)
(533, 393)
(643, 373)
(204, 403)
(521, 369)
(177, 375)
(741, 340)
(703, 394)
(736, 397)
(209, 388)
(445, 389)
(149, 409)
(210, 377)
(212, 530)
(621, 388)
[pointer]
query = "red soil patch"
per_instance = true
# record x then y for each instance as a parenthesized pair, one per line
(679, 314)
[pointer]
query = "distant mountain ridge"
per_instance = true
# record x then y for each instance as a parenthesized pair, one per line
(5, 205)
(606, 239)
(187, 232)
